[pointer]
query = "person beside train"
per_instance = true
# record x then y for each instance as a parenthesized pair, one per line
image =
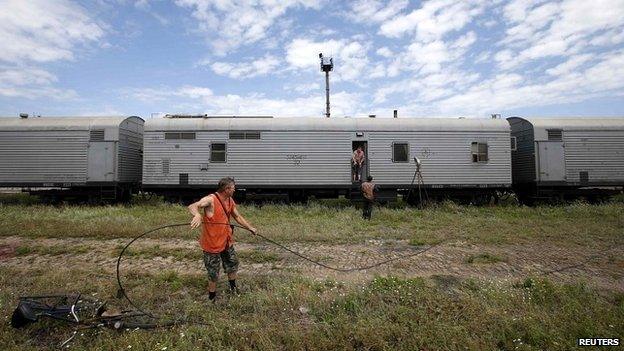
(368, 193)
(357, 161)
(213, 212)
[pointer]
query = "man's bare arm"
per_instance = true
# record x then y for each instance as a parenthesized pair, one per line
(242, 221)
(197, 208)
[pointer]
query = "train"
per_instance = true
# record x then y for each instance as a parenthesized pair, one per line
(182, 157)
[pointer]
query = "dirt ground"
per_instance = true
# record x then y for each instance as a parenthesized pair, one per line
(603, 269)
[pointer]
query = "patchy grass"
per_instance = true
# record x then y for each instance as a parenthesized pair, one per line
(157, 251)
(287, 310)
(257, 256)
(578, 224)
(249, 256)
(52, 250)
(484, 258)
(291, 312)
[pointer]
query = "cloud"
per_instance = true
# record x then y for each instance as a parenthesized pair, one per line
(303, 88)
(229, 24)
(350, 59)
(36, 32)
(433, 20)
(372, 11)
(560, 29)
(245, 70)
(202, 100)
(510, 90)
(31, 83)
(44, 31)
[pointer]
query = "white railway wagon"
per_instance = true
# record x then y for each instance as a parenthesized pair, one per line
(303, 156)
(101, 155)
(569, 155)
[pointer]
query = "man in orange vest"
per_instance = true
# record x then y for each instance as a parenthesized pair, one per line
(214, 211)
(368, 192)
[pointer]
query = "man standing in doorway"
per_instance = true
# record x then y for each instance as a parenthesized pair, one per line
(214, 211)
(368, 192)
(358, 160)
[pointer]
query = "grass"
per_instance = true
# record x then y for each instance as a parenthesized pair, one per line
(292, 312)
(248, 256)
(284, 309)
(484, 258)
(52, 250)
(574, 224)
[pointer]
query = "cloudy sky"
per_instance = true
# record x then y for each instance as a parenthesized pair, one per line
(430, 58)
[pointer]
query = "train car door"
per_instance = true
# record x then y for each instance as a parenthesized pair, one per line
(365, 169)
(550, 160)
(101, 159)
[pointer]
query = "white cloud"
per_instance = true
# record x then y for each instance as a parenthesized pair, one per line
(31, 83)
(303, 88)
(342, 103)
(350, 59)
(559, 29)
(384, 52)
(569, 65)
(36, 32)
(244, 70)
(509, 90)
(43, 31)
(229, 24)
(433, 20)
(373, 11)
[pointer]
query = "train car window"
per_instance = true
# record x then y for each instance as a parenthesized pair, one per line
(244, 135)
(555, 135)
(96, 135)
(514, 144)
(479, 152)
(217, 152)
(252, 135)
(400, 152)
(179, 135)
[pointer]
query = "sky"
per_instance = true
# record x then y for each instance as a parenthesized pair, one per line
(436, 58)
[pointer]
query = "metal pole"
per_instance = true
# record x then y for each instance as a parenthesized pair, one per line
(327, 92)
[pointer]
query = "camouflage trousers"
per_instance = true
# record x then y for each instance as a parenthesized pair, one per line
(227, 259)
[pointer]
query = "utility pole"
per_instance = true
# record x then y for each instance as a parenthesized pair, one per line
(327, 65)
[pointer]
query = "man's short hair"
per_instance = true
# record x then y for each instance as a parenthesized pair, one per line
(370, 178)
(224, 183)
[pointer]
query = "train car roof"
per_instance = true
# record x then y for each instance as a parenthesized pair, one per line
(63, 123)
(327, 124)
(575, 123)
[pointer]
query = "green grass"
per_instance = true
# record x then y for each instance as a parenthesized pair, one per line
(484, 258)
(284, 309)
(576, 224)
(292, 312)
(248, 256)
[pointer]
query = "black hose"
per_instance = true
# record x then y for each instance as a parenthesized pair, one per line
(122, 292)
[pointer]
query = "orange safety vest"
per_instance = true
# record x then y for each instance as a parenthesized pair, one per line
(215, 238)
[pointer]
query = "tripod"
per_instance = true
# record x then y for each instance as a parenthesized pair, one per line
(419, 183)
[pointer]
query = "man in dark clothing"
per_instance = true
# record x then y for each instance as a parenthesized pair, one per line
(368, 192)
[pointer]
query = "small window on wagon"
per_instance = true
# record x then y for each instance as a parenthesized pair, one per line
(244, 135)
(555, 135)
(217, 152)
(479, 152)
(179, 135)
(400, 152)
